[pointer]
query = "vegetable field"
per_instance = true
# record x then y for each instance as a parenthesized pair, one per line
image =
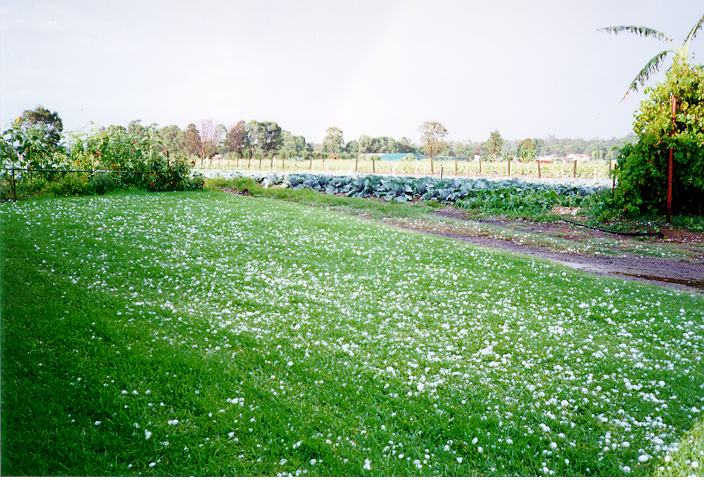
(208, 334)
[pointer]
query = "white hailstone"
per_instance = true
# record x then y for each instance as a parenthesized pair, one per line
(565, 403)
(459, 459)
(147, 434)
(626, 469)
(567, 461)
(152, 465)
(553, 445)
(420, 387)
(97, 422)
(480, 450)
(643, 458)
(509, 441)
(475, 440)
(367, 464)
(668, 458)
(173, 422)
(695, 464)
(290, 363)
(231, 435)
(313, 461)
(446, 448)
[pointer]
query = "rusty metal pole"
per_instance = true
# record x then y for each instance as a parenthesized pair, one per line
(670, 163)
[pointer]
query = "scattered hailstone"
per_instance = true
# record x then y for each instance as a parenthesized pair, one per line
(367, 464)
(420, 387)
(173, 422)
(459, 459)
(97, 422)
(147, 434)
(643, 458)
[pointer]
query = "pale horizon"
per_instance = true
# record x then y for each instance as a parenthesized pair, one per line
(528, 69)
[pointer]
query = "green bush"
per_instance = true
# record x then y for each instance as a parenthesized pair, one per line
(642, 167)
(102, 183)
(70, 184)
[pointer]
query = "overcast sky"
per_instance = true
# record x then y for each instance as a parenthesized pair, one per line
(527, 68)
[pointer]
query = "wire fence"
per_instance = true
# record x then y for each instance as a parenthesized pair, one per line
(13, 177)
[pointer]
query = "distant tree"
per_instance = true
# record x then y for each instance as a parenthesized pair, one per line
(292, 146)
(432, 137)
(270, 138)
(405, 145)
(172, 141)
(526, 149)
(50, 120)
(220, 136)
(492, 147)
(236, 140)
(352, 148)
(252, 129)
(208, 140)
(366, 144)
(192, 140)
(333, 143)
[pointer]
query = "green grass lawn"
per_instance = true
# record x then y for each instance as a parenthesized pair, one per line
(210, 334)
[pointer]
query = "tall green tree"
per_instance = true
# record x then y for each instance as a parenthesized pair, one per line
(492, 147)
(48, 121)
(432, 137)
(333, 143)
(192, 140)
(236, 140)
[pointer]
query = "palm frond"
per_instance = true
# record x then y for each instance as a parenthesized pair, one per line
(650, 68)
(695, 29)
(637, 30)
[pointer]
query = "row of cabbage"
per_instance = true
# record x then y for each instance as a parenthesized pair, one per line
(508, 194)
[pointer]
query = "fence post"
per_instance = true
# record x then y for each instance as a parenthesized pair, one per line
(539, 174)
(574, 169)
(432, 167)
(508, 160)
(442, 168)
(356, 163)
(480, 165)
(455, 167)
(310, 164)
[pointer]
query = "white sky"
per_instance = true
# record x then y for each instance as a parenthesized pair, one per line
(527, 68)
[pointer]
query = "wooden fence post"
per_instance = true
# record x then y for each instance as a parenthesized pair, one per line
(455, 167)
(356, 164)
(373, 163)
(574, 169)
(539, 173)
(442, 168)
(480, 165)
(508, 160)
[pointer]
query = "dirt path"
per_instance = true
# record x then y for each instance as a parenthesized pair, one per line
(675, 260)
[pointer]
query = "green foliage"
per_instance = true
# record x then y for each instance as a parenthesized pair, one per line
(642, 167)
(527, 150)
(70, 184)
(333, 143)
(492, 147)
(52, 123)
(103, 183)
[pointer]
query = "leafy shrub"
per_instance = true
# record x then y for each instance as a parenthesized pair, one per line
(642, 167)
(69, 184)
(102, 183)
